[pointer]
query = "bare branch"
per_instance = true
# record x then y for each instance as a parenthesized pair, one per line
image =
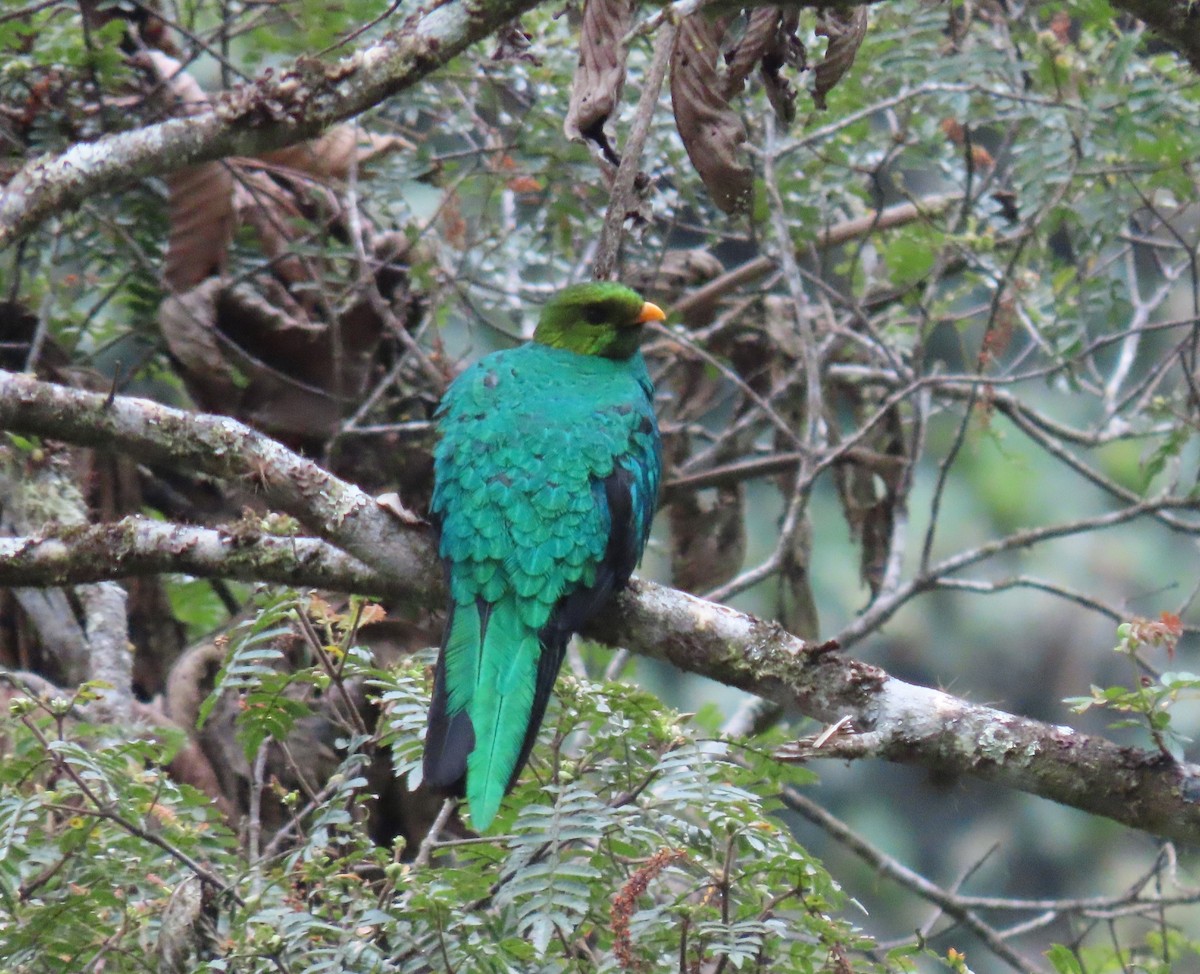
(903, 723)
(332, 508)
(890, 719)
(139, 546)
(276, 110)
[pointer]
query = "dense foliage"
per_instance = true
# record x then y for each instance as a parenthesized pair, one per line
(636, 844)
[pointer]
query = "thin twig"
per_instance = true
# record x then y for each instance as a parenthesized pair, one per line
(605, 265)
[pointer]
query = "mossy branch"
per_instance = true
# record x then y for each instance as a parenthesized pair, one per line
(880, 716)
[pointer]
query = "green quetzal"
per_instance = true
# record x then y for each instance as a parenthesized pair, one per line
(545, 482)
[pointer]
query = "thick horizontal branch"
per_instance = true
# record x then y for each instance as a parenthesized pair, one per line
(140, 546)
(887, 718)
(908, 724)
(331, 508)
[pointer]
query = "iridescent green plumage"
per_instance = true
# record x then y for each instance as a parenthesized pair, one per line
(547, 472)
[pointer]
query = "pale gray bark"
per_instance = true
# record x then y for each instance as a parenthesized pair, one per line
(881, 716)
(140, 546)
(276, 110)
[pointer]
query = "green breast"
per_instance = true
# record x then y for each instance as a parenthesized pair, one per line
(526, 437)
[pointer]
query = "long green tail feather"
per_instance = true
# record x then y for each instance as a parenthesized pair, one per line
(494, 680)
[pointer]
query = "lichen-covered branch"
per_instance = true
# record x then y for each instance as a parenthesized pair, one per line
(300, 102)
(884, 717)
(275, 110)
(140, 546)
(908, 724)
(99, 648)
(331, 508)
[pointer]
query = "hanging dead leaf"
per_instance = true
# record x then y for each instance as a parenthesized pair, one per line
(769, 41)
(797, 606)
(749, 50)
(708, 539)
(200, 200)
(953, 129)
(187, 321)
(872, 483)
(283, 206)
(335, 153)
(600, 74)
(200, 215)
(788, 51)
(845, 30)
(981, 158)
(243, 354)
(711, 131)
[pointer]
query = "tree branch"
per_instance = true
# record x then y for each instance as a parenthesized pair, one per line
(139, 546)
(273, 111)
(889, 718)
(302, 101)
(335, 510)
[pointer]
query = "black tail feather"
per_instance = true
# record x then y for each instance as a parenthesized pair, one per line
(448, 741)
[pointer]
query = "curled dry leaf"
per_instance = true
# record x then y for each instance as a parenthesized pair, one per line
(769, 41)
(200, 197)
(845, 30)
(392, 503)
(283, 206)
(787, 52)
(242, 354)
(208, 201)
(872, 485)
(334, 154)
(600, 74)
(744, 56)
(797, 606)
(187, 321)
(711, 130)
(708, 538)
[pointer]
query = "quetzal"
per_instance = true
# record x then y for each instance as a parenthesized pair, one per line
(546, 479)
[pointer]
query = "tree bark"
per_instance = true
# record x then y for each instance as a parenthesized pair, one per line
(881, 716)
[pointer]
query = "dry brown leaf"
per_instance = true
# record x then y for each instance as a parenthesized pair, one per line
(200, 208)
(788, 51)
(285, 364)
(744, 56)
(283, 206)
(392, 503)
(769, 41)
(334, 154)
(188, 322)
(200, 201)
(845, 30)
(242, 354)
(600, 74)
(711, 131)
(708, 538)
(871, 485)
(797, 610)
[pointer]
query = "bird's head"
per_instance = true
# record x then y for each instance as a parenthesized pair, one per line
(601, 318)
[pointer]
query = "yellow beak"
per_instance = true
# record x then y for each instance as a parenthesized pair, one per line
(650, 312)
